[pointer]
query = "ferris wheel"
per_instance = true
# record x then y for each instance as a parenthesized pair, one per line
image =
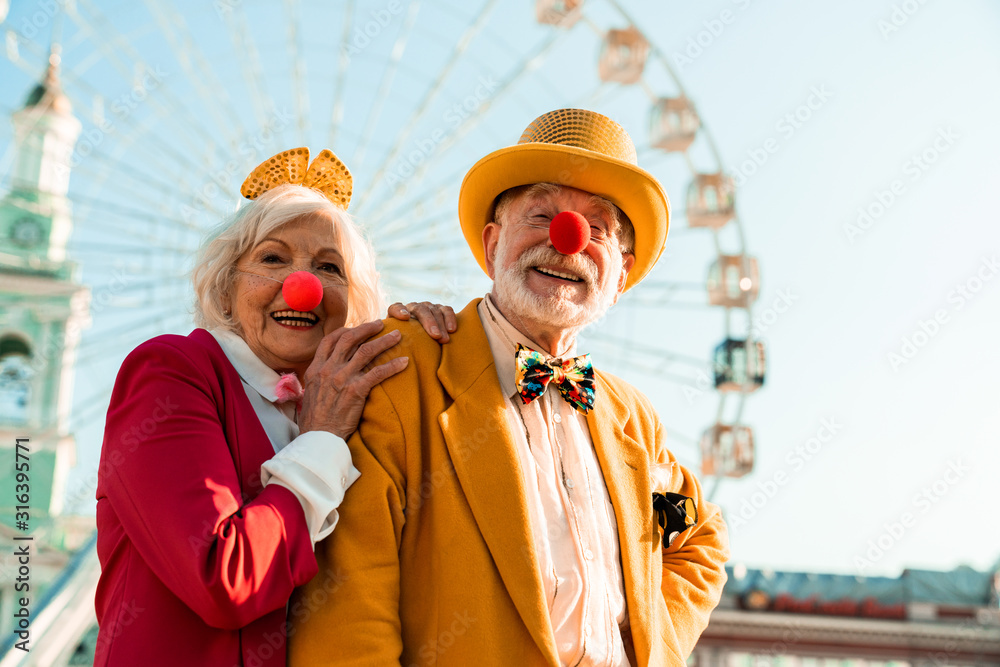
(179, 101)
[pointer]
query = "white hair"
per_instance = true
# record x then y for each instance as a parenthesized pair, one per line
(215, 271)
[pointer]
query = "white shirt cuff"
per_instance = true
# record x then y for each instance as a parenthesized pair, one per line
(317, 468)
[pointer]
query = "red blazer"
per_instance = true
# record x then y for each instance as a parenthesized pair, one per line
(198, 560)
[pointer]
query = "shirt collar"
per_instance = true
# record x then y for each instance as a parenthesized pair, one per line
(503, 338)
(251, 370)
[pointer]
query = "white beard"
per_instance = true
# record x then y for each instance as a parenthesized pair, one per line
(558, 306)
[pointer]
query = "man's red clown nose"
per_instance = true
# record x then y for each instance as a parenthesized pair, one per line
(569, 232)
(302, 291)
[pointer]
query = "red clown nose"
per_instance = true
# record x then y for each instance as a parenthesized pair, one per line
(569, 232)
(302, 291)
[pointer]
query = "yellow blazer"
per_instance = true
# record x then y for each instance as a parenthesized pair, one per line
(432, 561)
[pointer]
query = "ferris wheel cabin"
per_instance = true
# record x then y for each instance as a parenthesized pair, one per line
(711, 200)
(673, 124)
(623, 56)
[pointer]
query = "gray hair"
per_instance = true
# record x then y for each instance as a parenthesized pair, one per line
(622, 227)
(215, 273)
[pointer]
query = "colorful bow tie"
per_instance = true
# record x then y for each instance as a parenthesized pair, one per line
(574, 378)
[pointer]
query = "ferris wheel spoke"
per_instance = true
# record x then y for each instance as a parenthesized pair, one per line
(716, 483)
(741, 403)
(110, 344)
(652, 158)
(130, 215)
(433, 91)
(111, 300)
(651, 301)
(660, 373)
(108, 339)
(721, 410)
(134, 213)
(595, 97)
(414, 266)
(103, 247)
(429, 245)
(213, 95)
(156, 281)
(298, 70)
(446, 190)
(404, 228)
(673, 285)
(337, 112)
(589, 22)
(703, 130)
(408, 283)
(236, 22)
(125, 322)
(532, 61)
(153, 182)
(163, 169)
(99, 399)
(103, 35)
(660, 55)
(455, 136)
(93, 408)
(635, 346)
(385, 85)
(674, 434)
(120, 232)
(182, 160)
(646, 88)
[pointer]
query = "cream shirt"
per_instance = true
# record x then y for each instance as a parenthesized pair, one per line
(572, 519)
(315, 466)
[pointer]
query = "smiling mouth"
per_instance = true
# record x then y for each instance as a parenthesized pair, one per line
(294, 318)
(558, 274)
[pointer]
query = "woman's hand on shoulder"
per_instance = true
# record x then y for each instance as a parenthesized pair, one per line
(438, 321)
(337, 382)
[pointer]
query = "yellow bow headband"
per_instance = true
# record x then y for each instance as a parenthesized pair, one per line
(327, 174)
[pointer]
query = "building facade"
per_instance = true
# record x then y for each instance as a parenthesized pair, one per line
(43, 310)
(790, 619)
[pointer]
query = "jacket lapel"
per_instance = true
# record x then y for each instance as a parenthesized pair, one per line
(248, 441)
(625, 464)
(481, 446)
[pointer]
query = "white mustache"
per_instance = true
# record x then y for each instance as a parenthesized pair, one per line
(577, 264)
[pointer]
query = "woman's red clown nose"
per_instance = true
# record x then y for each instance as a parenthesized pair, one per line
(569, 232)
(302, 291)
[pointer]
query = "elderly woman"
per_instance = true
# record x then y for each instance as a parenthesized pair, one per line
(219, 469)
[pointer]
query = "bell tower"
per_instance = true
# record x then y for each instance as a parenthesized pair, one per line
(43, 308)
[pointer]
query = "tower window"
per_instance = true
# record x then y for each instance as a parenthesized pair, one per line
(15, 379)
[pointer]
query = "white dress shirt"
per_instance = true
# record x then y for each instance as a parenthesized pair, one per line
(572, 518)
(315, 466)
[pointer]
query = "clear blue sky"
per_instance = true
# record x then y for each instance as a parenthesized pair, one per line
(903, 97)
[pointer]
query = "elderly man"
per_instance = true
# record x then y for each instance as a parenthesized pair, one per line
(516, 507)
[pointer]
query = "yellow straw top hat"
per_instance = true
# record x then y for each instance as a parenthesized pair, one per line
(580, 149)
(326, 173)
